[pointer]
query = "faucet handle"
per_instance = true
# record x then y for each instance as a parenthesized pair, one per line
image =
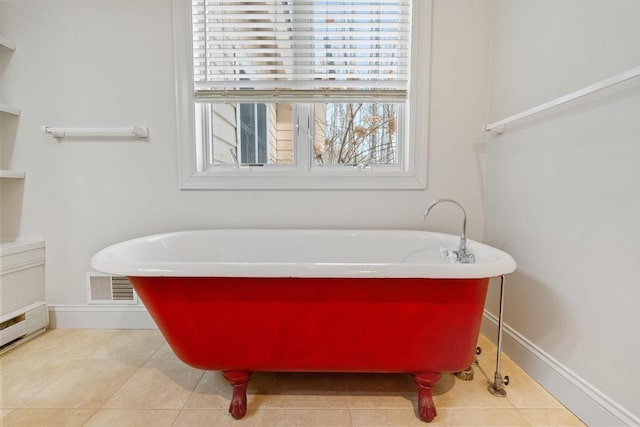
(465, 257)
(462, 255)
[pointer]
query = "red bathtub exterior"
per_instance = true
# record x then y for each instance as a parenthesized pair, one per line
(240, 325)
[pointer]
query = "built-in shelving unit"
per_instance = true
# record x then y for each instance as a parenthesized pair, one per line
(10, 110)
(23, 312)
(12, 174)
(7, 44)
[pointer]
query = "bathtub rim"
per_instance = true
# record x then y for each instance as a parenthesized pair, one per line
(107, 261)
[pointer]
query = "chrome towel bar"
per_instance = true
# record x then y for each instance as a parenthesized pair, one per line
(115, 132)
(603, 84)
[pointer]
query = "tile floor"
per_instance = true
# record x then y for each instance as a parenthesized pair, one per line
(131, 378)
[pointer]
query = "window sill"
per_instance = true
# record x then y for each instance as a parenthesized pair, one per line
(252, 179)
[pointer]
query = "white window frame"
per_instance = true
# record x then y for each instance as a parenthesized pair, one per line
(411, 175)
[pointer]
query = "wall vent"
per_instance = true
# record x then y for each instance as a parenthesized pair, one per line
(107, 289)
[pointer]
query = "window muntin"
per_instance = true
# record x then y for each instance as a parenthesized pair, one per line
(408, 170)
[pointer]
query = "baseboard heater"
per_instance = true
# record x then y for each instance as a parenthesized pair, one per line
(22, 325)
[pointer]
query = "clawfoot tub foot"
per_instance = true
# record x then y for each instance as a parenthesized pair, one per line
(466, 375)
(425, 382)
(239, 380)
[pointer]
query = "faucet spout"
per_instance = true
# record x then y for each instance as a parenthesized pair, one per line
(461, 254)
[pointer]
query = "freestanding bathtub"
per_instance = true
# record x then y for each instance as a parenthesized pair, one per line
(241, 301)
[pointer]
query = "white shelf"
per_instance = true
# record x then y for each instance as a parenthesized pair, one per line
(4, 108)
(12, 174)
(7, 44)
(19, 245)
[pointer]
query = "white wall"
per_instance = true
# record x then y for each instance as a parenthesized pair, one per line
(109, 63)
(563, 190)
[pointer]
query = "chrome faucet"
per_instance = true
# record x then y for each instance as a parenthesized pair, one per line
(461, 254)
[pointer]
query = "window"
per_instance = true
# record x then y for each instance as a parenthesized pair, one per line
(302, 93)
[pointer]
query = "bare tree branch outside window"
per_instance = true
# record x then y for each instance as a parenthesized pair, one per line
(355, 134)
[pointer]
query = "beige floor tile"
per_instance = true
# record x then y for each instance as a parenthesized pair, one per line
(487, 357)
(63, 344)
(306, 418)
(132, 418)
(158, 384)
(485, 369)
(110, 377)
(485, 417)
(446, 383)
(451, 392)
(130, 344)
(386, 400)
(217, 418)
(47, 417)
(318, 383)
(550, 417)
(212, 392)
(4, 412)
(87, 384)
(488, 348)
(385, 418)
(23, 378)
(305, 390)
(365, 383)
(486, 345)
(393, 391)
(301, 401)
(524, 392)
(445, 417)
(164, 352)
(260, 383)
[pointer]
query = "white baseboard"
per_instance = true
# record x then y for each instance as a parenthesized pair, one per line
(100, 317)
(585, 401)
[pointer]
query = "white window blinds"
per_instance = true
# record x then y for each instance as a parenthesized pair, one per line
(301, 49)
